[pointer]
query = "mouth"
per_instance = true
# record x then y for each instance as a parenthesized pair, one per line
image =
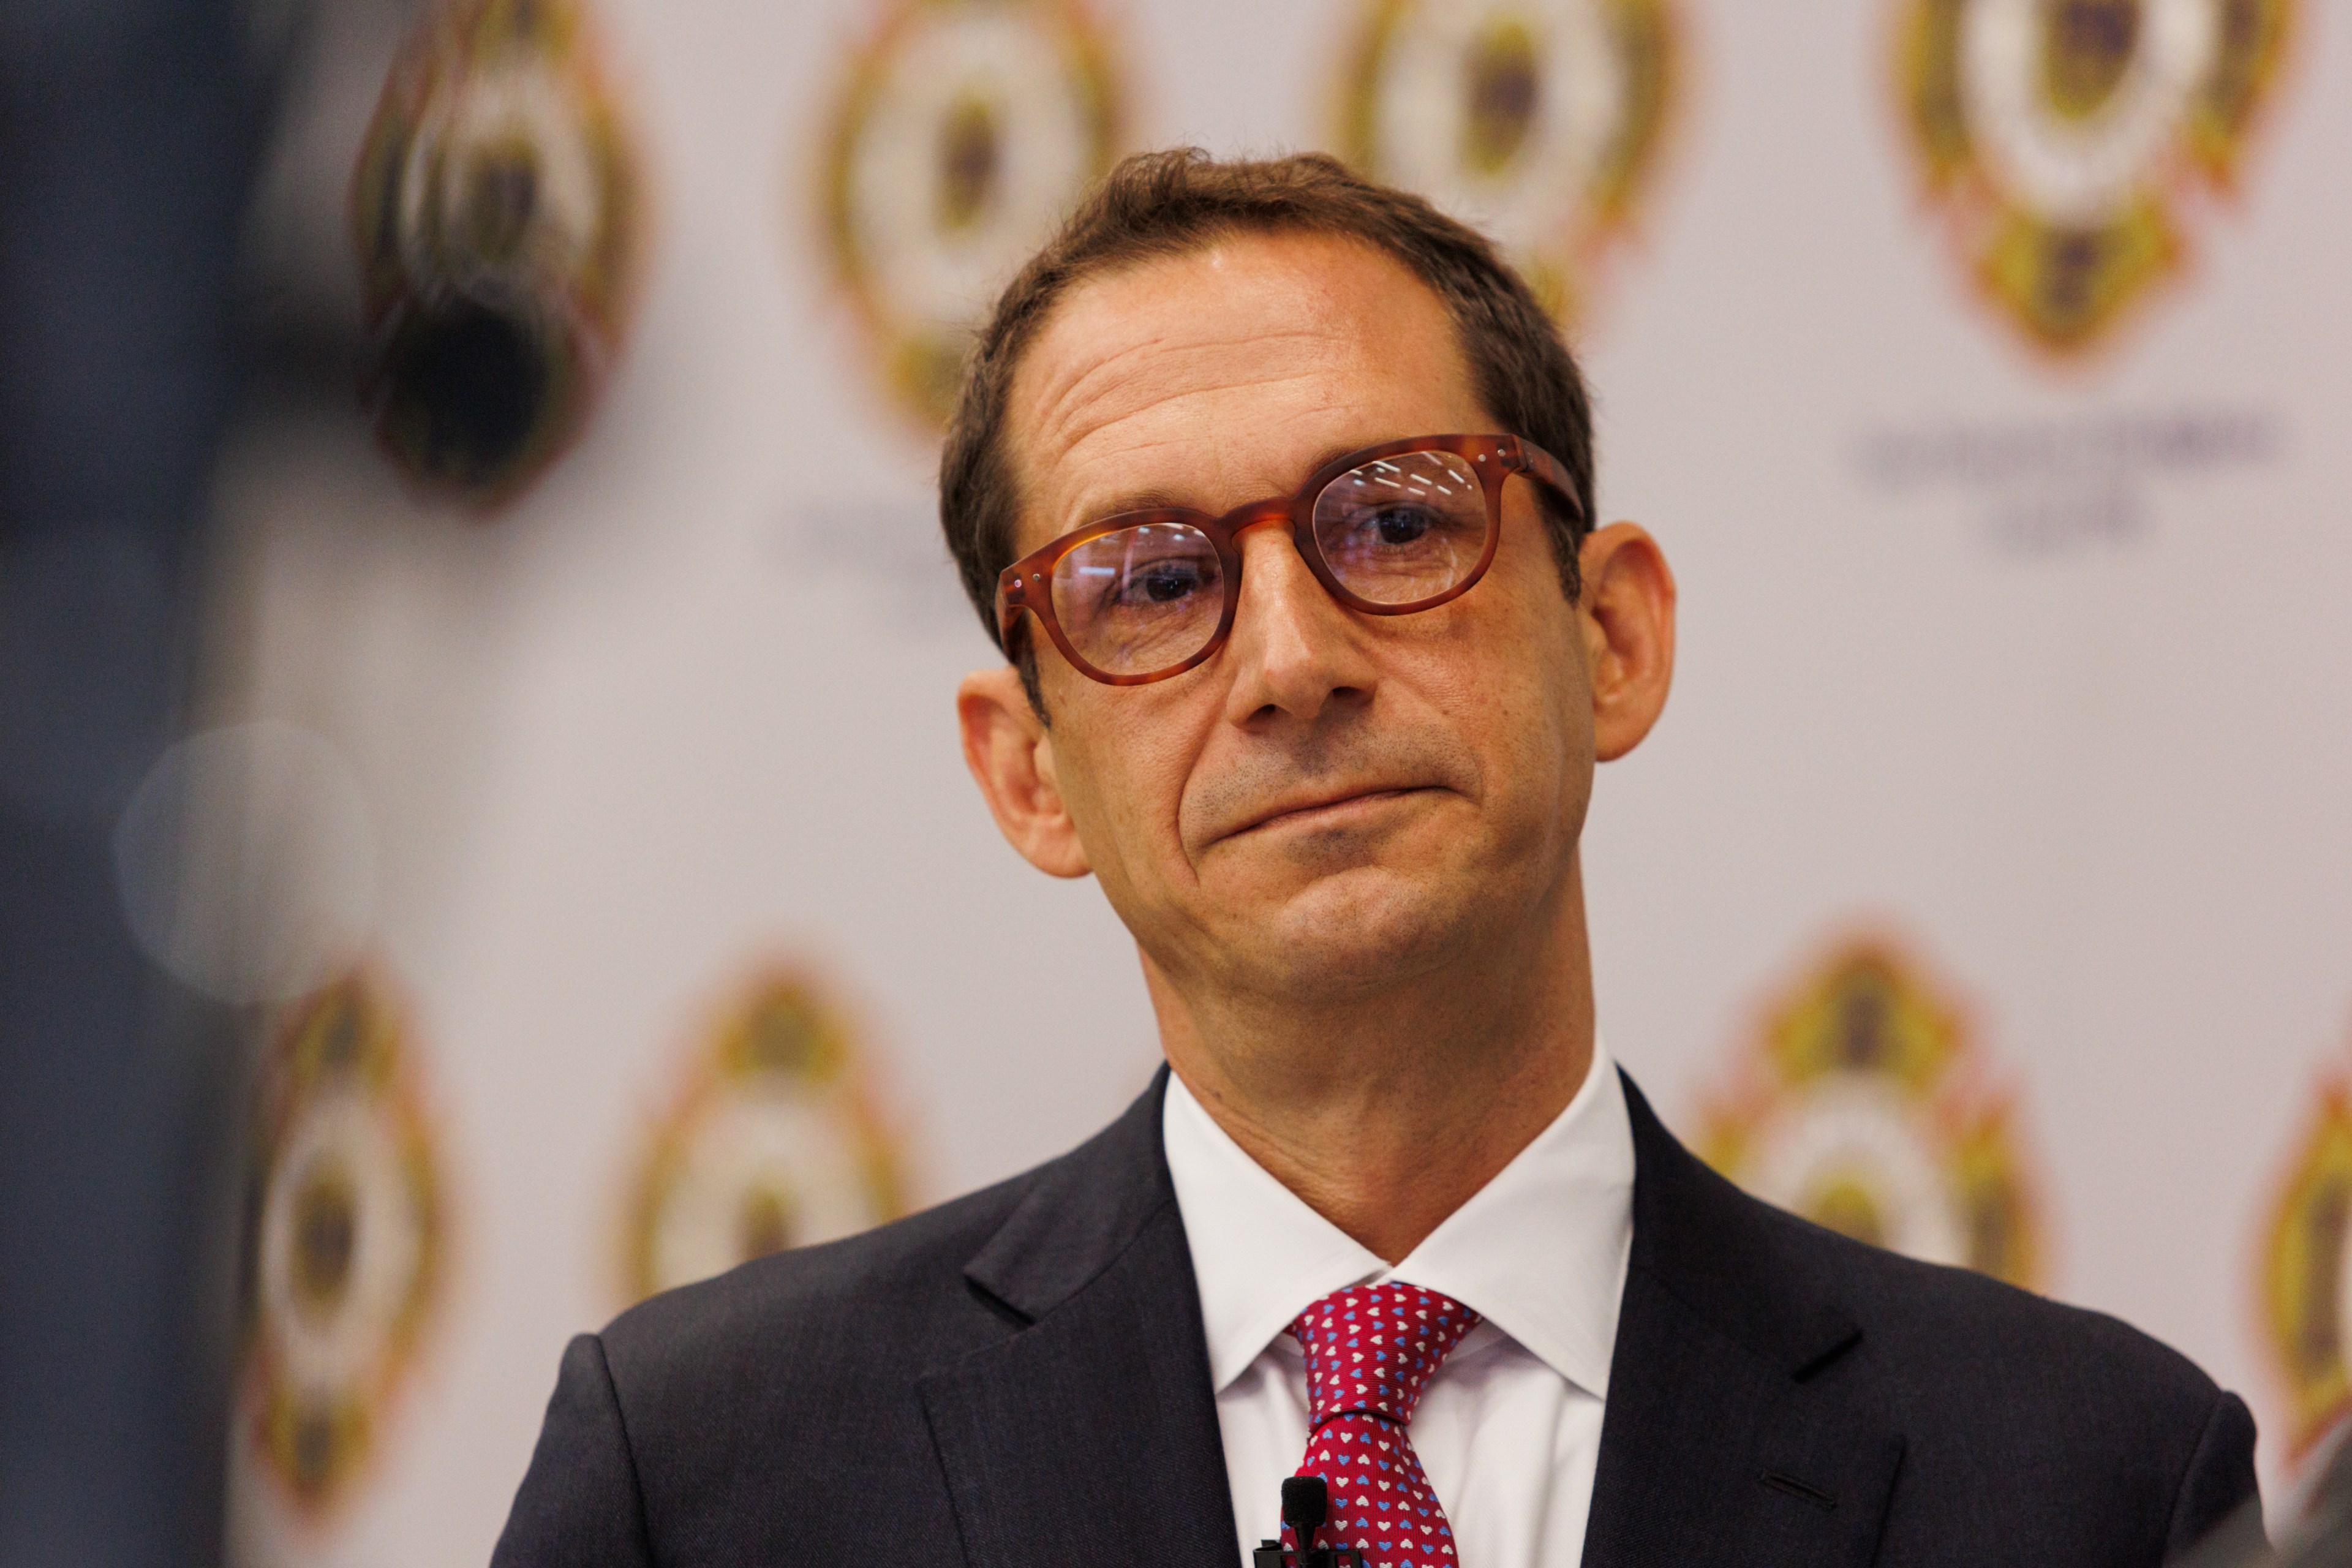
(1338, 810)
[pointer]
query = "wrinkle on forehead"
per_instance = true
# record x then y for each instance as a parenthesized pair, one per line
(1091, 394)
(1115, 438)
(1099, 450)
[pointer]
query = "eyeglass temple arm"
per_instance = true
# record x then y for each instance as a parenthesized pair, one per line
(1547, 472)
(1011, 598)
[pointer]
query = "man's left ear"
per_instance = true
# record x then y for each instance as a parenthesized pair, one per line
(1627, 613)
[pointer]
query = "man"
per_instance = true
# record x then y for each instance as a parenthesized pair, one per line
(1393, 1217)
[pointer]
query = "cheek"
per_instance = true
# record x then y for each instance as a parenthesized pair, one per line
(1124, 755)
(1533, 693)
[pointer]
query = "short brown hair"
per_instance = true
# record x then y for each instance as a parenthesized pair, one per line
(1176, 202)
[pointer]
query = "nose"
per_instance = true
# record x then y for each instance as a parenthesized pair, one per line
(1295, 651)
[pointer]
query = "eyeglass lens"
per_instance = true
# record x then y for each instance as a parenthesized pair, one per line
(1393, 531)
(1140, 600)
(1401, 529)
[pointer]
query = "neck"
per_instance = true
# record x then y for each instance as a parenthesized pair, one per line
(1385, 1112)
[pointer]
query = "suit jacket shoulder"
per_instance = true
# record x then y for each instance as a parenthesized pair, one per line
(815, 1318)
(1942, 1416)
(955, 1386)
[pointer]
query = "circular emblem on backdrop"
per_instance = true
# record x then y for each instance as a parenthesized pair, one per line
(345, 1242)
(1536, 121)
(2059, 137)
(967, 132)
(775, 1143)
(496, 207)
(2306, 1294)
(1855, 1111)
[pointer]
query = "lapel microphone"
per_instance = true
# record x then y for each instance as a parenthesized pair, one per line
(1305, 1504)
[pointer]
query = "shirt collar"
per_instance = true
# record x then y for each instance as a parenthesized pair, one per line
(1539, 1251)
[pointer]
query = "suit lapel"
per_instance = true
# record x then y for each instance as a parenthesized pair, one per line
(1739, 1428)
(1089, 1434)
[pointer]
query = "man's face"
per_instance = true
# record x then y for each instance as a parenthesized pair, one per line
(1335, 801)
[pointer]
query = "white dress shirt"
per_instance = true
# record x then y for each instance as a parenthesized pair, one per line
(1509, 1428)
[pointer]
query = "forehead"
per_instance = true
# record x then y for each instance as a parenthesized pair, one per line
(1224, 375)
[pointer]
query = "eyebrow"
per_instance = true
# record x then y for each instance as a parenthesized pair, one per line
(1159, 499)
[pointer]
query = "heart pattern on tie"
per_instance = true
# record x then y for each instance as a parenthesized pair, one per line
(1370, 1352)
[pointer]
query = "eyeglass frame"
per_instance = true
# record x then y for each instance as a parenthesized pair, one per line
(1495, 459)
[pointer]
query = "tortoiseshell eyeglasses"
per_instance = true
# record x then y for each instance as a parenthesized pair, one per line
(1394, 529)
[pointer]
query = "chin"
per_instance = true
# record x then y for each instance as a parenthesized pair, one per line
(1363, 931)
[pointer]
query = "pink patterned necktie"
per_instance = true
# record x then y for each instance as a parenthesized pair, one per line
(1371, 1351)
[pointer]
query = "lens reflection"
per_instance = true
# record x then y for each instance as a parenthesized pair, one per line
(1398, 529)
(1140, 600)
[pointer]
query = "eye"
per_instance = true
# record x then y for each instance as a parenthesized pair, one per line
(1164, 582)
(1398, 525)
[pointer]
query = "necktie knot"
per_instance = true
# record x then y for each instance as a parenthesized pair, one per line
(1372, 1349)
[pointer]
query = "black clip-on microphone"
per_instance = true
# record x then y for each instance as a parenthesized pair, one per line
(1305, 1503)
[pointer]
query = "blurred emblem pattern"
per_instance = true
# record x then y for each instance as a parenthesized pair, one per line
(496, 207)
(345, 1241)
(966, 131)
(2304, 1291)
(1853, 1111)
(2058, 137)
(1537, 121)
(775, 1143)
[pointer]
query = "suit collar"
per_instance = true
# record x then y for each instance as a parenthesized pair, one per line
(1081, 1211)
(1089, 1435)
(1694, 1234)
(1722, 1254)
(1742, 1425)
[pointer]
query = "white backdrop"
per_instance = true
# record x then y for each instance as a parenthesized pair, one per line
(2035, 663)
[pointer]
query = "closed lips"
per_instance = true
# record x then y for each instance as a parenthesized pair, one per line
(1326, 802)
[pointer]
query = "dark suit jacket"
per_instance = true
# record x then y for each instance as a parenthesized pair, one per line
(1019, 1380)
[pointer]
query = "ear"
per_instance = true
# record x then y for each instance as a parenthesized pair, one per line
(1628, 616)
(1011, 755)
